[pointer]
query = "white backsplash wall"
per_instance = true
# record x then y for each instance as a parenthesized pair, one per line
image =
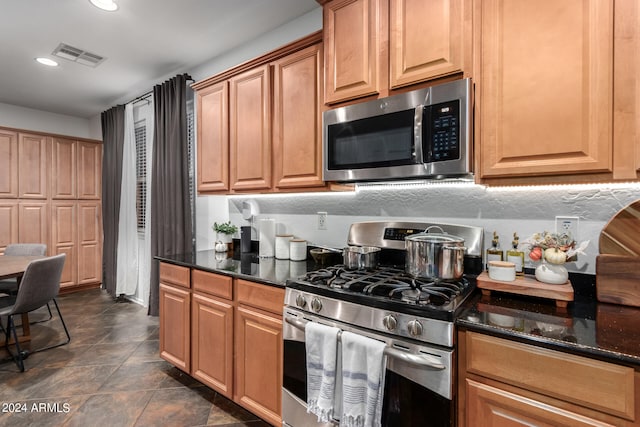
(505, 210)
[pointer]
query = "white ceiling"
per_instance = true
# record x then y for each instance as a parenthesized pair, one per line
(145, 40)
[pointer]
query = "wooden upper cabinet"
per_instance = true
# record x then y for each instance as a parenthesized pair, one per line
(426, 39)
(544, 87)
(297, 120)
(250, 129)
(63, 169)
(8, 164)
(352, 47)
(213, 138)
(33, 223)
(33, 166)
(89, 170)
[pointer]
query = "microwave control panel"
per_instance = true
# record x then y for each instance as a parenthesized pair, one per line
(441, 131)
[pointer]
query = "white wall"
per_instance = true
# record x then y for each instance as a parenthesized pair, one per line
(505, 210)
(44, 121)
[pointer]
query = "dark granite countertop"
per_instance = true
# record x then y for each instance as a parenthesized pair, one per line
(586, 327)
(270, 271)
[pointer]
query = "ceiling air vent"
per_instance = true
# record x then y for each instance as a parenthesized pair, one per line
(75, 54)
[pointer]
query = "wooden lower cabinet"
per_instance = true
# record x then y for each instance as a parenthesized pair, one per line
(507, 383)
(258, 346)
(212, 343)
(226, 333)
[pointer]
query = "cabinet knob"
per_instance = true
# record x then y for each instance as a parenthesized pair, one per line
(415, 328)
(389, 322)
(316, 305)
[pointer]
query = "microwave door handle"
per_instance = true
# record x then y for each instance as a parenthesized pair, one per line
(417, 134)
(415, 359)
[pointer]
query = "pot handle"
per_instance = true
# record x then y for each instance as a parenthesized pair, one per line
(455, 248)
(434, 226)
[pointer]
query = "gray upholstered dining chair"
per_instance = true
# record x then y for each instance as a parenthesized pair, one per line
(40, 284)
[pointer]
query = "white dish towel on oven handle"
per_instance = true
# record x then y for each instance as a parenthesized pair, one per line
(321, 346)
(363, 369)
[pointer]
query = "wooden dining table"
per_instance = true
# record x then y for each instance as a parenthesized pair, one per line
(15, 266)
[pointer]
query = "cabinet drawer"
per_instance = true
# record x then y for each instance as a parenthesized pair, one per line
(590, 383)
(174, 275)
(211, 283)
(261, 296)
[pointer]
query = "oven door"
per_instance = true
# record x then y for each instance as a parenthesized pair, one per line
(418, 381)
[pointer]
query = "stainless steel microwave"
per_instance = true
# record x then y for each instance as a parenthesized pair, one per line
(425, 133)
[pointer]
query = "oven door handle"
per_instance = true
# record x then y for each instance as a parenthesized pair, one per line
(416, 359)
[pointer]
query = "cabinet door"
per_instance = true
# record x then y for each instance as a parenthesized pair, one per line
(297, 131)
(258, 346)
(426, 39)
(352, 45)
(8, 164)
(89, 243)
(250, 130)
(33, 221)
(212, 343)
(545, 87)
(63, 239)
(63, 169)
(8, 223)
(33, 166)
(175, 305)
(490, 406)
(89, 165)
(213, 138)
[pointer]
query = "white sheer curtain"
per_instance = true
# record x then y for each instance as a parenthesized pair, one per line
(127, 263)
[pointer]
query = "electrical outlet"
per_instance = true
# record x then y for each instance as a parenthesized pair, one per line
(568, 224)
(322, 220)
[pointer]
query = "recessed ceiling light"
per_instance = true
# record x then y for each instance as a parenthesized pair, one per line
(47, 61)
(108, 5)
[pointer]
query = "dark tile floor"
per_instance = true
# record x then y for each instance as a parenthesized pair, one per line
(110, 374)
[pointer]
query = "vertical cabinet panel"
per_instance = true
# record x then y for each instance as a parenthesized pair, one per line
(546, 101)
(175, 330)
(89, 166)
(33, 223)
(297, 120)
(8, 164)
(212, 343)
(63, 169)
(352, 45)
(8, 223)
(250, 130)
(425, 39)
(63, 239)
(258, 345)
(33, 168)
(89, 243)
(213, 138)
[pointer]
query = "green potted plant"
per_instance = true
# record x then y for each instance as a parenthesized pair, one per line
(224, 232)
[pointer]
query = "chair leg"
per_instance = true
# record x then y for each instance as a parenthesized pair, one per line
(19, 356)
(66, 331)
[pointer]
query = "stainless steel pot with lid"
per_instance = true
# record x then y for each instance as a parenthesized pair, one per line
(435, 256)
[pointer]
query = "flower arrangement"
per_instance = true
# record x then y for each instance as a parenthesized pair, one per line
(225, 228)
(554, 248)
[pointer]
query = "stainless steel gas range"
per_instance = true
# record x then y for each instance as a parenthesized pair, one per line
(414, 317)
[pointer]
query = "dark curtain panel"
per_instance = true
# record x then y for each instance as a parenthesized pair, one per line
(171, 224)
(113, 141)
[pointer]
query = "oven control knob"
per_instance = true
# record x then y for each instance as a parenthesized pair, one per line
(389, 322)
(316, 305)
(301, 302)
(415, 328)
